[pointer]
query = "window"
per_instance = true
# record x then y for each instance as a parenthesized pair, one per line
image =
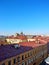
(22, 57)
(3, 64)
(29, 61)
(18, 59)
(42, 53)
(9, 62)
(28, 55)
(34, 64)
(37, 56)
(45, 51)
(14, 61)
(23, 63)
(26, 63)
(34, 58)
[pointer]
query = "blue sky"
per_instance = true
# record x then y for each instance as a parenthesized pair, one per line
(29, 16)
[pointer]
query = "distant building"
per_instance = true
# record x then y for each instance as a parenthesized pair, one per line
(31, 39)
(16, 39)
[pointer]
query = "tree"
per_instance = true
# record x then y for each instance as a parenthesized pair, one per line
(21, 33)
(17, 34)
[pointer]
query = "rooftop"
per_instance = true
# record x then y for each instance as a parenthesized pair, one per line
(7, 51)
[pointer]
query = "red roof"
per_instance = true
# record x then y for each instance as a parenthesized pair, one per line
(39, 37)
(42, 39)
(32, 44)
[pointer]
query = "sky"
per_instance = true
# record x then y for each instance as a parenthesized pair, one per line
(28, 16)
